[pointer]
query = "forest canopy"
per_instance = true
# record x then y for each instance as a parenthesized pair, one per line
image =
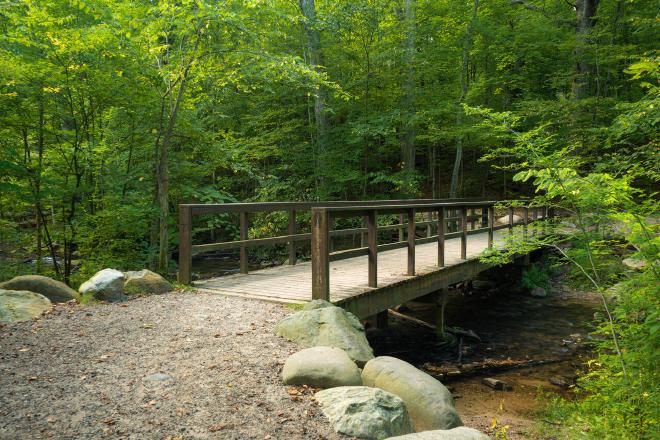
(112, 112)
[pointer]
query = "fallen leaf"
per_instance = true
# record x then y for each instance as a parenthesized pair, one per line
(24, 349)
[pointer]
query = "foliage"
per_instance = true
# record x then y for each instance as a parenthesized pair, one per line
(534, 276)
(609, 216)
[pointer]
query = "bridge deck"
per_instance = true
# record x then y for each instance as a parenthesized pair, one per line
(348, 277)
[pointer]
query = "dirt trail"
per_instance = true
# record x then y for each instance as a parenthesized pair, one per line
(179, 365)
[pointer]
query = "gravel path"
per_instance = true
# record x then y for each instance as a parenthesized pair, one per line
(173, 366)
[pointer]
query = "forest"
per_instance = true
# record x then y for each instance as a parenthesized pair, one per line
(114, 112)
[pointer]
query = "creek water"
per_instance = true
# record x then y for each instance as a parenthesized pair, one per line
(534, 345)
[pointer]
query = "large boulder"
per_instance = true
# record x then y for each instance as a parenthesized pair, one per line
(321, 367)
(365, 412)
(105, 285)
(429, 403)
(460, 433)
(505, 220)
(21, 305)
(323, 324)
(146, 281)
(54, 290)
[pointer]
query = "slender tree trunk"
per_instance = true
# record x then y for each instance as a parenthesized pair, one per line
(163, 176)
(308, 9)
(467, 44)
(408, 130)
(585, 21)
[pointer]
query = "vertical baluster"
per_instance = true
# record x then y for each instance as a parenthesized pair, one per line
(411, 242)
(441, 237)
(429, 219)
(491, 224)
(244, 236)
(320, 254)
(185, 244)
(510, 220)
(372, 238)
(292, 244)
(464, 233)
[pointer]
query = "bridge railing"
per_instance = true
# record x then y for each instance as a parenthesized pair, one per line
(323, 218)
(187, 213)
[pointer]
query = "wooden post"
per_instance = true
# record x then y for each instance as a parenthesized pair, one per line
(363, 236)
(429, 229)
(484, 216)
(473, 218)
(244, 236)
(510, 220)
(411, 242)
(320, 260)
(525, 220)
(185, 244)
(372, 239)
(441, 237)
(292, 231)
(491, 224)
(464, 233)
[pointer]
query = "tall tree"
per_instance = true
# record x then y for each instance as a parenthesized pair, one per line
(463, 82)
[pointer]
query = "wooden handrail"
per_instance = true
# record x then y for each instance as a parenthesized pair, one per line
(340, 209)
(323, 217)
(188, 211)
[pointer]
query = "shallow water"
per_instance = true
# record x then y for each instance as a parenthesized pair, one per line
(513, 327)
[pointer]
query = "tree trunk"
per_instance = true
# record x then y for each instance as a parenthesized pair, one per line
(308, 10)
(408, 130)
(163, 176)
(467, 44)
(585, 21)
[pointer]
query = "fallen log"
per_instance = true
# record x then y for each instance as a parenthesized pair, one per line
(457, 371)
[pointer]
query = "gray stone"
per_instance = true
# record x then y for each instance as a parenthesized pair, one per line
(105, 285)
(460, 433)
(633, 263)
(146, 281)
(158, 377)
(327, 325)
(496, 384)
(21, 305)
(429, 402)
(364, 412)
(321, 367)
(505, 220)
(54, 290)
(538, 292)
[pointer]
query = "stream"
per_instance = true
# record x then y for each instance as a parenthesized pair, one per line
(534, 345)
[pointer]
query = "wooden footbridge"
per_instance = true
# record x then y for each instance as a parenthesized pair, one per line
(384, 254)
